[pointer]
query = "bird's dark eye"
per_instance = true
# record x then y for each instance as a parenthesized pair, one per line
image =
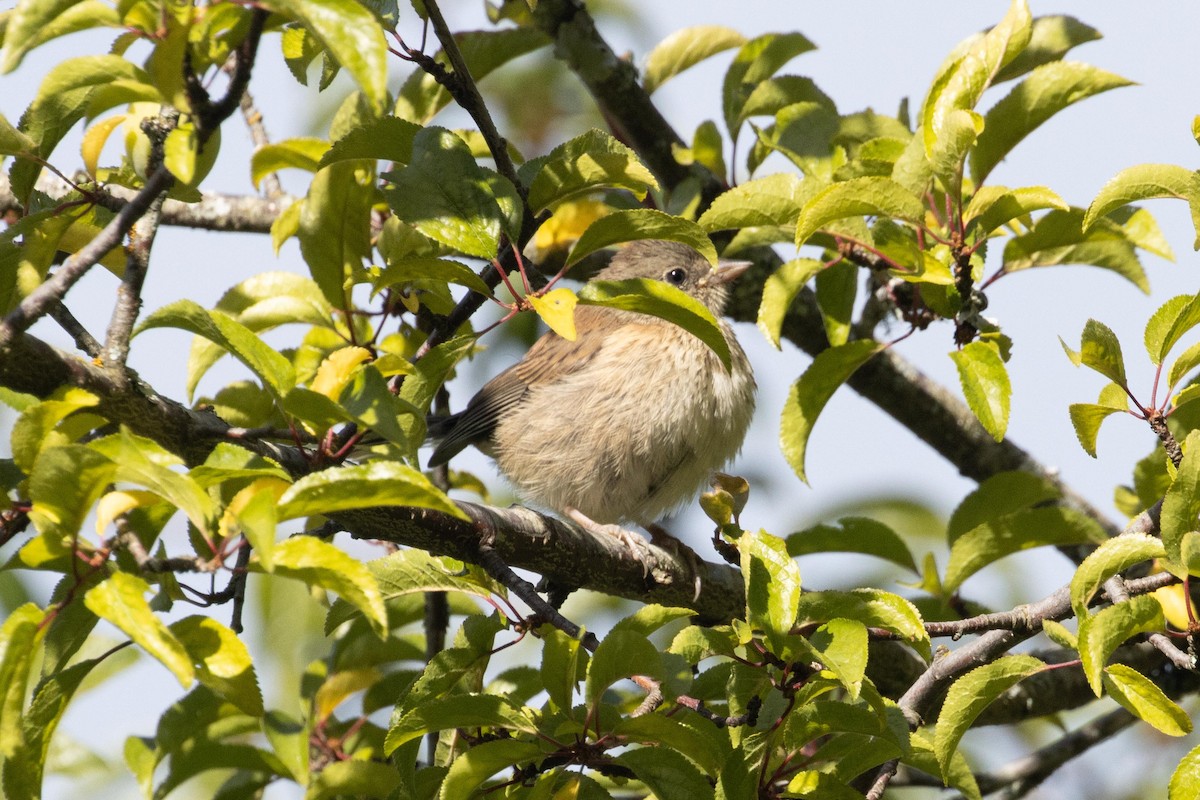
(676, 276)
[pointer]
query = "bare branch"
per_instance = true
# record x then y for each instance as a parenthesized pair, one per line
(258, 134)
(39, 302)
(1021, 776)
(67, 321)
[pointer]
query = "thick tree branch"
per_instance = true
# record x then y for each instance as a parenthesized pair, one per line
(614, 84)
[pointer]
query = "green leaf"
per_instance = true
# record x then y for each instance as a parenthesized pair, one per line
(431, 371)
(757, 60)
(803, 133)
(26, 23)
(121, 600)
(808, 396)
(641, 223)
(64, 485)
(1185, 781)
(334, 226)
(707, 748)
(471, 769)
(1058, 633)
(773, 95)
(1012, 533)
(772, 581)
(1143, 182)
(65, 97)
(1101, 350)
(12, 141)
(304, 153)
(265, 362)
(1111, 558)
(1142, 698)
(416, 572)
(1103, 632)
(872, 607)
(144, 462)
(853, 535)
(1169, 323)
(1001, 494)
(20, 639)
(959, 775)
(985, 385)
(447, 196)
(659, 299)
(836, 288)
(351, 34)
(1181, 504)
(684, 49)
(1058, 238)
(591, 161)
(771, 200)
(842, 644)
(560, 667)
(458, 711)
(34, 426)
(1049, 89)
(378, 483)
(353, 778)
(262, 302)
(970, 695)
(1186, 362)
(779, 291)
(382, 139)
(667, 773)
(371, 404)
(993, 206)
(24, 768)
(621, 654)
(949, 123)
(1053, 37)
(880, 197)
(317, 563)
(222, 661)
(1086, 419)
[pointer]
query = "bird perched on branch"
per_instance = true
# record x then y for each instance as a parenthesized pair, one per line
(626, 422)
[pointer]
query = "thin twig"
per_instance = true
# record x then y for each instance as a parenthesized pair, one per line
(67, 321)
(137, 257)
(258, 134)
(38, 303)
(467, 95)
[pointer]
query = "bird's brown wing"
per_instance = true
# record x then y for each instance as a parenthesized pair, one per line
(550, 358)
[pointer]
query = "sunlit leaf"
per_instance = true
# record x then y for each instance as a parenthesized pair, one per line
(808, 396)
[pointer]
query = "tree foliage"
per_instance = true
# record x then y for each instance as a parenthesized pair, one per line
(728, 680)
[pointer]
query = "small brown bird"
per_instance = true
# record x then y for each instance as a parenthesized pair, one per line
(627, 421)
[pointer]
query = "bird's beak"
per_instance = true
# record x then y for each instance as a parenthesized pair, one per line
(727, 270)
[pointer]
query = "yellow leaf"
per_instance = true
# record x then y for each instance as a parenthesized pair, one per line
(94, 140)
(557, 309)
(1174, 605)
(337, 369)
(114, 504)
(340, 686)
(562, 230)
(80, 234)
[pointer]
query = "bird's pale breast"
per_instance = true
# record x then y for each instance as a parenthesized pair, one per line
(646, 421)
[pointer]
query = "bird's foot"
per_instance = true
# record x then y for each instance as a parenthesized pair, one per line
(663, 538)
(635, 544)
